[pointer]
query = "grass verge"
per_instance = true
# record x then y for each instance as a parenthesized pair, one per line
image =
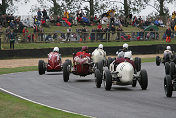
(13, 107)
(79, 44)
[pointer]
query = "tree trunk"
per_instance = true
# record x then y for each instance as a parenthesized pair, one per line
(91, 2)
(126, 7)
(55, 7)
(161, 7)
(4, 6)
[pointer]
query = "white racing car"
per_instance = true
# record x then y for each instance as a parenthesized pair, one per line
(122, 74)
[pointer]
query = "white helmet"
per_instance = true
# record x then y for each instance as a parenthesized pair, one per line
(128, 55)
(56, 49)
(168, 48)
(100, 46)
(125, 45)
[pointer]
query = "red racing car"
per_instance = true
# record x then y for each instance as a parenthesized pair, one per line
(54, 63)
(82, 64)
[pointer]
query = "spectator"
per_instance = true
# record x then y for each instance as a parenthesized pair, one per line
(41, 33)
(66, 14)
(25, 32)
(84, 33)
(8, 33)
(79, 19)
(71, 19)
(44, 14)
(69, 31)
(36, 30)
(39, 15)
(12, 39)
(107, 30)
(168, 34)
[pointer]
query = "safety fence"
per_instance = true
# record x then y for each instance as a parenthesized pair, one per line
(86, 36)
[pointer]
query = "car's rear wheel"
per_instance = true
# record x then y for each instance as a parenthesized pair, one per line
(98, 78)
(107, 80)
(109, 61)
(41, 67)
(66, 72)
(137, 63)
(168, 87)
(167, 68)
(172, 68)
(158, 60)
(69, 62)
(100, 66)
(143, 81)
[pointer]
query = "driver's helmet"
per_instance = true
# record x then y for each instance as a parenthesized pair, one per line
(100, 46)
(84, 48)
(168, 48)
(56, 49)
(125, 46)
(128, 55)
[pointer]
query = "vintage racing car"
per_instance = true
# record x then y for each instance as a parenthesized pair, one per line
(54, 63)
(122, 74)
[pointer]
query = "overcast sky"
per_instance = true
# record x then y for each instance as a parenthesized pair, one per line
(24, 9)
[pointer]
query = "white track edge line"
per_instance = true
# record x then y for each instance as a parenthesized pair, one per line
(43, 104)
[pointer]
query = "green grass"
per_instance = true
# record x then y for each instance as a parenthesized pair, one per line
(13, 107)
(77, 44)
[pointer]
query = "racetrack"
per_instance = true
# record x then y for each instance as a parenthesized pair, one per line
(81, 96)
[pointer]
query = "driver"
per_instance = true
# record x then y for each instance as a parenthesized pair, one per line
(56, 49)
(100, 49)
(168, 51)
(84, 51)
(127, 58)
(122, 51)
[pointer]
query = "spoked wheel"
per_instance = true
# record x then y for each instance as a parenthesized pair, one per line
(107, 80)
(41, 67)
(98, 78)
(167, 68)
(158, 60)
(137, 62)
(168, 87)
(172, 69)
(66, 72)
(143, 81)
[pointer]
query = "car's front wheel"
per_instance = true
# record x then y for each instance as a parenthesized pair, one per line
(143, 81)
(98, 78)
(168, 87)
(107, 80)
(41, 67)
(66, 72)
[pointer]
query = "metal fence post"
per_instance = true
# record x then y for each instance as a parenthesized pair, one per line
(0, 42)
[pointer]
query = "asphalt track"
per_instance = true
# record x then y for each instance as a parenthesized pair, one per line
(81, 96)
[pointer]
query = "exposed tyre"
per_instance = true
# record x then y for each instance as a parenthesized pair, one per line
(100, 66)
(166, 58)
(41, 67)
(134, 83)
(137, 63)
(158, 60)
(168, 87)
(172, 68)
(107, 80)
(143, 80)
(66, 72)
(98, 78)
(109, 61)
(167, 68)
(69, 62)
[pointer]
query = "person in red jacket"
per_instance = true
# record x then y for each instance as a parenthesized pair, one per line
(168, 35)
